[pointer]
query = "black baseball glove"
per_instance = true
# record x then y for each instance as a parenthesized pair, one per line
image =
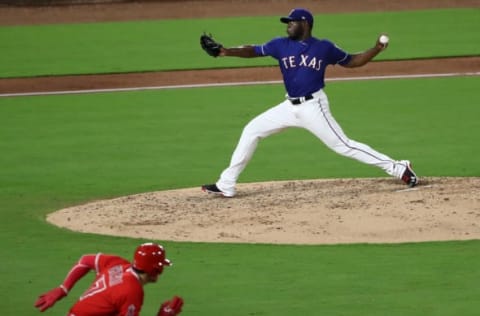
(209, 45)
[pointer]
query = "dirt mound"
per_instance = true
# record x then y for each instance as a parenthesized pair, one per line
(292, 212)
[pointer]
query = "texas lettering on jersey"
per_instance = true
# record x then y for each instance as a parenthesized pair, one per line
(305, 61)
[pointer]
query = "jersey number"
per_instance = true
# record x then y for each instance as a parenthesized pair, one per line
(97, 287)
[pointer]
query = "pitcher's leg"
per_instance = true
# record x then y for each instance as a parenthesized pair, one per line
(325, 127)
(270, 122)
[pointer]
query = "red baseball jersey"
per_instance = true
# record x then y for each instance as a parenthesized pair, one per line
(116, 290)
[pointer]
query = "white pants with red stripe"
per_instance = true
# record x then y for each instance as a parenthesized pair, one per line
(313, 115)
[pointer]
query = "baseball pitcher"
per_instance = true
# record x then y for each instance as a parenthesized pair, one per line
(303, 60)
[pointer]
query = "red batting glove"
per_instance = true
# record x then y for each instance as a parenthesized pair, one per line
(47, 300)
(172, 307)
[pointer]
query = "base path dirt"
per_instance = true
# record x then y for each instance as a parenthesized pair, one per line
(287, 212)
(460, 66)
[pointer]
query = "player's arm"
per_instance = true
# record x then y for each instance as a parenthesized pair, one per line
(216, 49)
(82, 267)
(78, 271)
(246, 51)
(360, 59)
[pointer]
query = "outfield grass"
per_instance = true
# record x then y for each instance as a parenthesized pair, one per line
(174, 44)
(65, 150)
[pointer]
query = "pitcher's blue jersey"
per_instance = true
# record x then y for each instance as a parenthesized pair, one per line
(303, 63)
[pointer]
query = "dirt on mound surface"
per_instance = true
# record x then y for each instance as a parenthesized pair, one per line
(376, 210)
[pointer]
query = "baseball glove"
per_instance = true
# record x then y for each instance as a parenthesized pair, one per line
(209, 45)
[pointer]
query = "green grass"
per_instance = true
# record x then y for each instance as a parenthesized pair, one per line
(174, 44)
(65, 150)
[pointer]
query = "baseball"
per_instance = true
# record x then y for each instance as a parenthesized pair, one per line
(384, 39)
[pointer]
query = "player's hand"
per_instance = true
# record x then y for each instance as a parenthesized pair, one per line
(172, 307)
(47, 300)
(210, 46)
(382, 42)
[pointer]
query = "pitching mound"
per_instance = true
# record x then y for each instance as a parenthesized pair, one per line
(292, 212)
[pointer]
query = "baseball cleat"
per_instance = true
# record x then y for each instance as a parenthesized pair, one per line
(409, 176)
(212, 188)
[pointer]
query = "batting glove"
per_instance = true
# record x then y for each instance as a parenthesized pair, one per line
(172, 307)
(47, 300)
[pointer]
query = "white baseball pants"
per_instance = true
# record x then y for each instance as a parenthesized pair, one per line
(313, 115)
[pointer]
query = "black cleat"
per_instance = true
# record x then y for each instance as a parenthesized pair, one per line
(212, 188)
(409, 176)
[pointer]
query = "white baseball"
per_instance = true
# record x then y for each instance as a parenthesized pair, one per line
(384, 39)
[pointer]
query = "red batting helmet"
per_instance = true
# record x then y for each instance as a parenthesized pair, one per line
(150, 258)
